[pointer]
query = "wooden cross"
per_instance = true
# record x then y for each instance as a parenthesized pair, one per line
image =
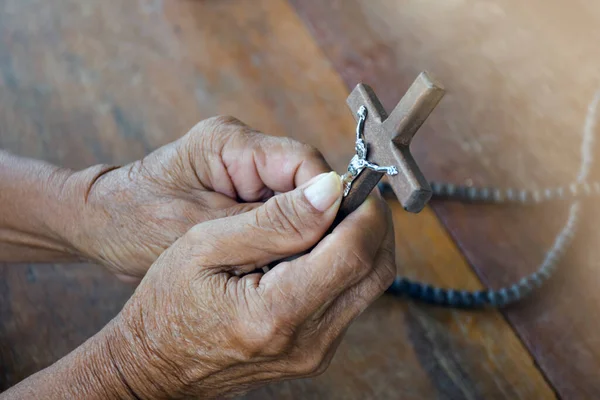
(388, 139)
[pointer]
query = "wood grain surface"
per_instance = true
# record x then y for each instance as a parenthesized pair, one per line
(519, 76)
(84, 81)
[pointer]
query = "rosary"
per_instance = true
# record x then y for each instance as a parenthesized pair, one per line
(382, 148)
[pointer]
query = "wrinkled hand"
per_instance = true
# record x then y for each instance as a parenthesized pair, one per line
(220, 168)
(201, 323)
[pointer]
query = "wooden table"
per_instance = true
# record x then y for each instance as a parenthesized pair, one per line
(85, 81)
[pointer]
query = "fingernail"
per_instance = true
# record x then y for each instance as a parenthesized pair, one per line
(324, 191)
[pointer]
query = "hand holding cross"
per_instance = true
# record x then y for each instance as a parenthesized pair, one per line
(386, 140)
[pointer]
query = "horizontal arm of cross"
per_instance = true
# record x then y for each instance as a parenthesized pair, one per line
(413, 109)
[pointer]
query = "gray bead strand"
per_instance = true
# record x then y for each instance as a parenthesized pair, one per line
(472, 194)
(519, 290)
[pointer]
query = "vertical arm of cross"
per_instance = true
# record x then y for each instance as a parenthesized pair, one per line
(363, 184)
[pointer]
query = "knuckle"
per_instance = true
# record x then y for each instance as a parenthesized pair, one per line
(310, 364)
(203, 245)
(264, 339)
(313, 155)
(280, 217)
(220, 122)
(206, 132)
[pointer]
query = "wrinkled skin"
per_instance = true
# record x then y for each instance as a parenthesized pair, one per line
(220, 168)
(204, 214)
(207, 328)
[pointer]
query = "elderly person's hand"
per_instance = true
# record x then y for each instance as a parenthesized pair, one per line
(128, 216)
(200, 325)
(203, 323)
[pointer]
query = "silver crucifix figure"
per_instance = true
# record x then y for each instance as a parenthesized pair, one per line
(359, 161)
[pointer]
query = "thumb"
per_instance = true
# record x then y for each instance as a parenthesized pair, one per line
(285, 225)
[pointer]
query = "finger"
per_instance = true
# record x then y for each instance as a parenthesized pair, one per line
(357, 298)
(332, 326)
(283, 226)
(343, 258)
(231, 158)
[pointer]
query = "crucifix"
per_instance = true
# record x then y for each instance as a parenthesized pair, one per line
(382, 145)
